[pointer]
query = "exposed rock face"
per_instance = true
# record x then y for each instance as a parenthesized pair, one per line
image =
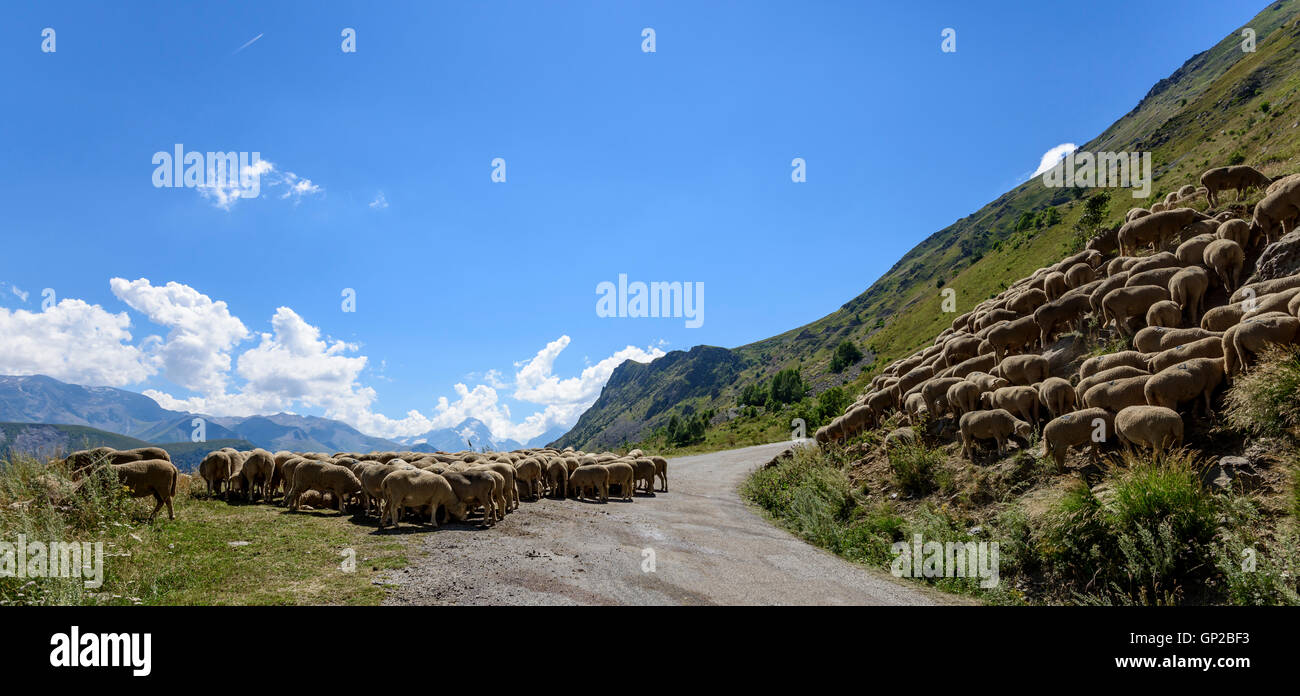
(1279, 259)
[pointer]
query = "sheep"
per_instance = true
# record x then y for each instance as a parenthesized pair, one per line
(1156, 229)
(1057, 396)
(1054, 285)
(644, 475)
(84, 458)
(1091, 426)
(1157, 427)
(259, 466)
(1027, 301)
(371, 474)
(623, 475)
(1064, 310)
(1194, 379)
(1123, 303)
(1211, 347)
(1079, 274)
(1019, 401)
(1155, 276)
(1219, 319)
(997, 424)
(593, 477)
(1154, 339)
(661, 471)
(476, 488)
(1154, 262)
(1187, 288)
(1243, 341)
(1135, 213)
(963, 396)
(415, 488)
(510, 490)
(915, 409)
(215, 470)
(1239, 177)
(1101, 363)
(1275, 211)
(1192, 251)
(1235, 230)
(1275, 302)
(557, 476)
(1117, 394)
(528, 474)
(1010, 336)
(1119, 372)
(317, 500)
(322, 476)
(1098, 293)
(1263, 288)
(958, 349)
(156, 477)
(1166, 313)
(1226, 258)
(981, 363)
(935, 394)
(898, 437)
(1023, 370)
(987, 382)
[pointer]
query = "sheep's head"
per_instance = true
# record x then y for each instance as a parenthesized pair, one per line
(1023, 429)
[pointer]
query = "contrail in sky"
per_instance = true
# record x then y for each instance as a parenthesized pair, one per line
(250, 43)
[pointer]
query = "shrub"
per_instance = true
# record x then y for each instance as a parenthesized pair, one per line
(787, 387)
(1266, 400)
(914, 467)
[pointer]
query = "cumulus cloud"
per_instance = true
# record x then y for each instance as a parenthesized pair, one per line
(1052, 156)
(196, 352)
(71, 341)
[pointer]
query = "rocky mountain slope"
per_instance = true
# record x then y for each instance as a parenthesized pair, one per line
(1224, 105)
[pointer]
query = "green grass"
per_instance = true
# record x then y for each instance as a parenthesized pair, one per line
(292, 558)
(1150, 533)
(1266, 400)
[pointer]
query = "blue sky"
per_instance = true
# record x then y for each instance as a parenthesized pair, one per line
(669, 166)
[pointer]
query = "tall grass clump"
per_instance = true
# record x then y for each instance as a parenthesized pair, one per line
(1141, 539)
(40, 501)
(1266, 400)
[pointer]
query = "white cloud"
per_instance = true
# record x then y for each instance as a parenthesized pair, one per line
(292, 366)
(296, 187)
(380, 201)
(19, 293)
(224, 192)
(71, 341)
(1052, 156)
(196, 352)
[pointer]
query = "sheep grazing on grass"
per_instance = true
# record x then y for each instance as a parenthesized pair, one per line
(1155, 427)
(1211, 347)
(323, 477)
(1187, 288)
(1190, 381)
(156, 477)
(1090, 426)
(1238, 177)
(1242, 342)
(997, 424)
(1057, 396)
(1276, 214)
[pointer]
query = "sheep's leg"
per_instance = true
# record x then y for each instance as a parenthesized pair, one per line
(157, 507)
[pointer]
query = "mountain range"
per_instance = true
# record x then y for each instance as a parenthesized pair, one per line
(38, 399)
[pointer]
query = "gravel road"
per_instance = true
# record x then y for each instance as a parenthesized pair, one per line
(708, 547)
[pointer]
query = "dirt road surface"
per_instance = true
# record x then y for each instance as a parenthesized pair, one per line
(708, 547)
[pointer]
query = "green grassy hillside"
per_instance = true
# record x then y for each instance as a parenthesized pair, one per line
(1222, 106)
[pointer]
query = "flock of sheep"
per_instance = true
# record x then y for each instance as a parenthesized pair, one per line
(1191, 324)
(389, 483)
